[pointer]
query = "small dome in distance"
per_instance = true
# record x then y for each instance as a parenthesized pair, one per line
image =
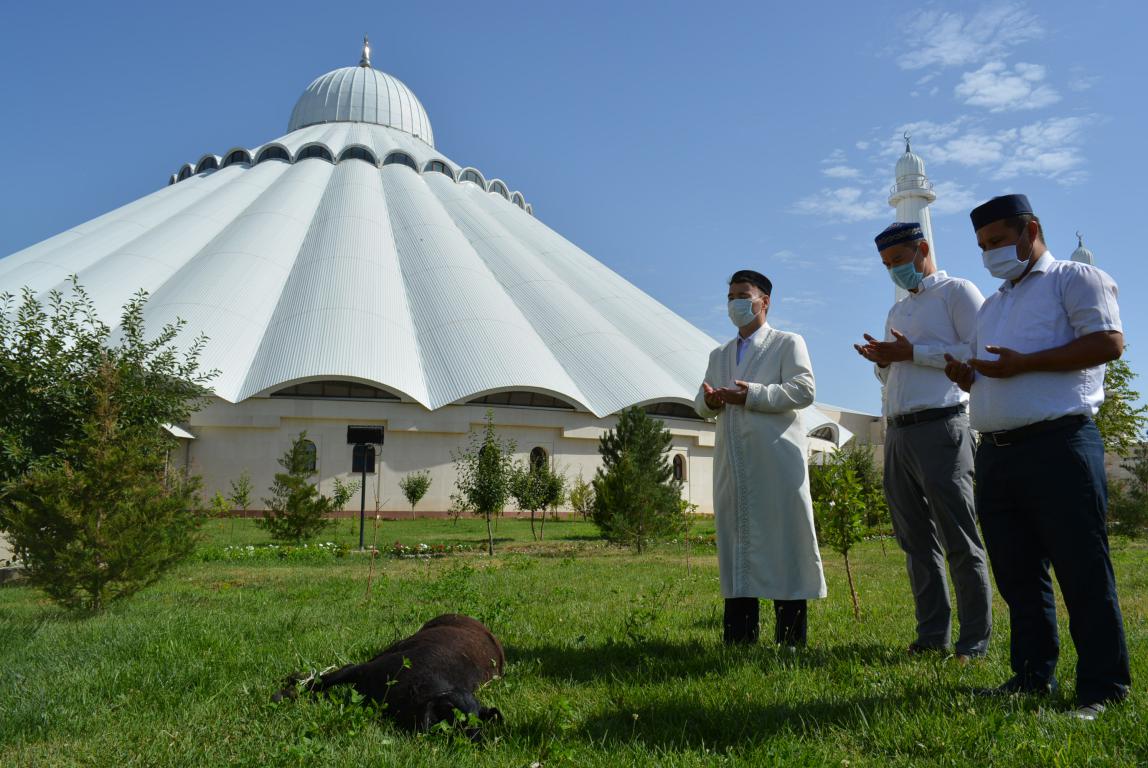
(1082, 254)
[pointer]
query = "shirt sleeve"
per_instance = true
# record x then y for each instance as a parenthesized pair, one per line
(963, 302)
(1090, 301)
(797, 387)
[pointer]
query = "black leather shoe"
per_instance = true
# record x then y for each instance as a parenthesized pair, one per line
(1017, 685)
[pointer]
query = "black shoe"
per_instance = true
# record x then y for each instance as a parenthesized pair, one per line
(1017, 685)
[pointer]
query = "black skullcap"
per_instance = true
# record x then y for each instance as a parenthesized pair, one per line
(753, 278)
(1003, 207)
(898, 233)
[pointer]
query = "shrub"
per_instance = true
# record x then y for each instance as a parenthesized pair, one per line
(86, 494)
(636, 498)
(839, 512)
(483, 471)
(414, 486)
(582, 497)
(296, 510)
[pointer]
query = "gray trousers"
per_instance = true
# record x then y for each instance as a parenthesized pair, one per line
(929, 485)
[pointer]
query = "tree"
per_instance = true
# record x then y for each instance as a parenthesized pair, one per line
(582, 497)
(537, 487)
(839, 511)
(859, 458)
(414, 486)
(1120, 422)
(1128, 498)
(636, 497)
(297, 511)
(483, 471)
(84, 492)
(98, 521)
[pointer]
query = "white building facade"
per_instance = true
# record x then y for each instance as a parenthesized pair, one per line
(349, 273)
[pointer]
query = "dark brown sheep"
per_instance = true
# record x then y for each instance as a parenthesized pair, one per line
(421, 680)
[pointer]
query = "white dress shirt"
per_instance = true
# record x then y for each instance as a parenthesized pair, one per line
(1055, 303)
(939, 318)
(743, 343)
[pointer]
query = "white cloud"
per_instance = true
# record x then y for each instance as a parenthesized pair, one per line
(934, 38)
(788, 257)
(953, 198)
(1080, 81)
(862, 145)
(855, 265)
(841, 205)
(836, 157)
(841, 172)
(999, 89)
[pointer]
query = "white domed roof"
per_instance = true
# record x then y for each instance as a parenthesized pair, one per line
(1082, 254)
(361, 95)
(910, 164)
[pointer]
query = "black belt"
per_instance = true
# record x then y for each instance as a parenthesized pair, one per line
(931, 414)
(1020, 434)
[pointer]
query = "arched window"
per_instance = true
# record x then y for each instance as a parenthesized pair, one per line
(438, 166)
(335, 390)
(317, 151)
(679, 467)
(237, 156)
(184, 173)
(311, 454)
(273, 153)
(530, 209)
(518, 200)
(207, 164)
(538, 458)
(358, 153)
(824, 433)
(499, 188)
(401, 158)
(673, 411)
(472, 176)
(523, 399)
(361, 454)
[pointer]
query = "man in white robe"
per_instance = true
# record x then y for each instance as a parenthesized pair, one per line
(767, 546)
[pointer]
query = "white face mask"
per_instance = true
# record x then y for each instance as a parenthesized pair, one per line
(1005, 262)
(741, 312)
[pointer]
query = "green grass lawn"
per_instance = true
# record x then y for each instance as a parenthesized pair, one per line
(613, 659)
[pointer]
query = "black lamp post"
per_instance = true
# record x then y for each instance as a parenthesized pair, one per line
(361, 437)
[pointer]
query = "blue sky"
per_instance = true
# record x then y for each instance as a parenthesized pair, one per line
(675, 142)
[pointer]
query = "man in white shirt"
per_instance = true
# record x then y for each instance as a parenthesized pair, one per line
(1048, 332)
(928, 444)
(767, 546)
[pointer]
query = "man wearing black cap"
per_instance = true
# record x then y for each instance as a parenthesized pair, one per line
(1041, 490)
(928, 443)
(767, 547)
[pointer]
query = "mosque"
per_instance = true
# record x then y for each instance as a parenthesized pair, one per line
(349, 273)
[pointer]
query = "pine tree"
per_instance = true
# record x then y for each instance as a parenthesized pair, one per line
(636, 497)
(1120, 422)
(296, 510)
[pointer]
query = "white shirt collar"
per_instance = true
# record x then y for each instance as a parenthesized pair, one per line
(753, 335)
(1042, 264)
(928, 282)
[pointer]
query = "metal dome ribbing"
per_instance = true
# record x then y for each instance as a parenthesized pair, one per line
(361, 94)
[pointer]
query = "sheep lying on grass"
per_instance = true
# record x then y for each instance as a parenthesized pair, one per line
(423, 679)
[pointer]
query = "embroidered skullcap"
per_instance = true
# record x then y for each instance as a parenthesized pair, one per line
(897, 233)
(1004, 207)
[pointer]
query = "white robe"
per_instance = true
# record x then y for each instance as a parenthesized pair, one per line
(767, 546)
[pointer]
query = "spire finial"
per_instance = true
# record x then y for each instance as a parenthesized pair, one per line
(365, 60)
(907, 136)
(1079, 239)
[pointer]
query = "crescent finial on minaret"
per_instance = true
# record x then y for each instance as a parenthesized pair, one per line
(365, 60)
(907, 136)
(1079, 239)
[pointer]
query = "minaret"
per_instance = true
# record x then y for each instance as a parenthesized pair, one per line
(911, 195)
(1082, 254)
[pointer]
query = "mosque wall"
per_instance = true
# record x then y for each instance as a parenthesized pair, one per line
(254, 434)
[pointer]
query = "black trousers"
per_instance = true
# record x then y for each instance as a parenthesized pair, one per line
(1043, 502)
(741, 625)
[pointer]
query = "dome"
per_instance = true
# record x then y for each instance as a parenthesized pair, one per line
(1082, 254)
(910, 164)
(361, 95)
(353, 251)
